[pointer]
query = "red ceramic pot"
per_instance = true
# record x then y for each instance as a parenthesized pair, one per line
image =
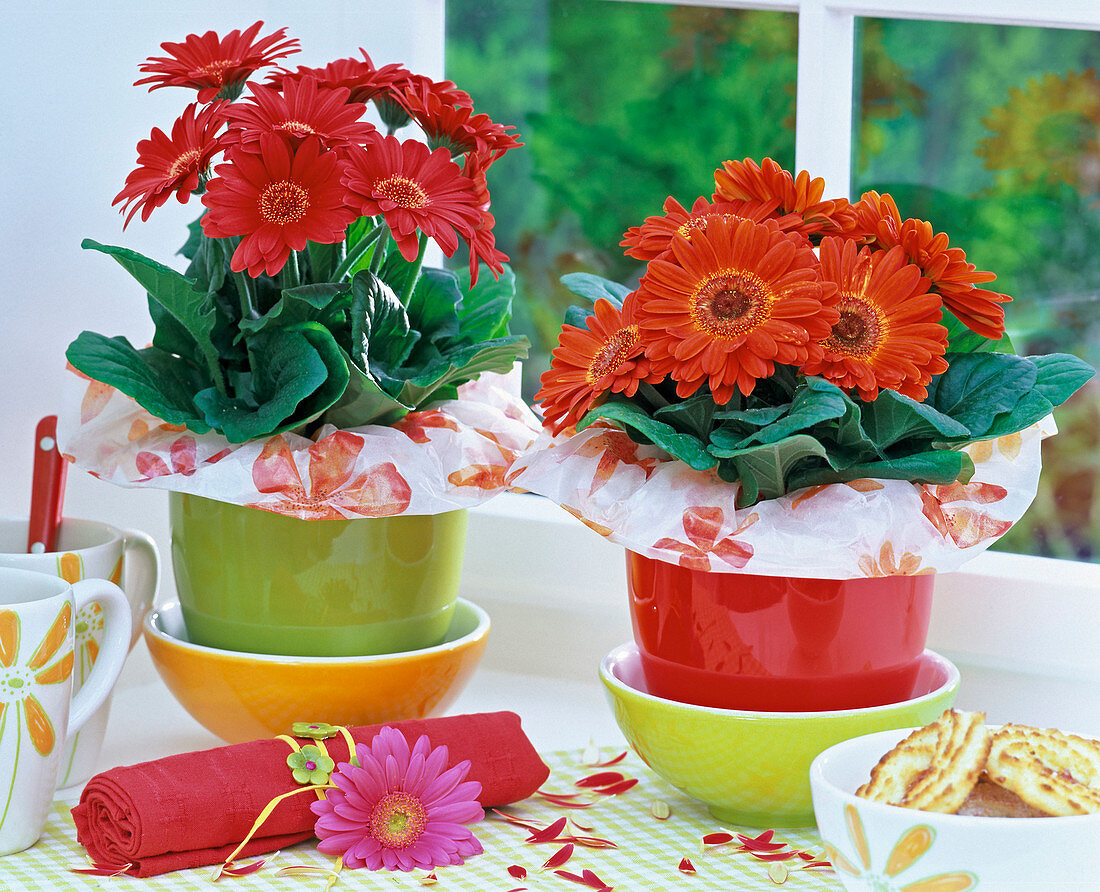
(777, 643)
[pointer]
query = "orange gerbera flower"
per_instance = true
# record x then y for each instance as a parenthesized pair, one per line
(727, 304)
(748, 181)
(652, 238)
(588, 363)
(888, 335)
(953, 277)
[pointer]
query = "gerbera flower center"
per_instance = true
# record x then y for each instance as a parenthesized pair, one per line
(283, 202)
(218, 67)
(398, 820)
(615, 351)
(298, 128)
(696, 224)
(859, 331)
(183, 162)
(402, 191)
(731, 303)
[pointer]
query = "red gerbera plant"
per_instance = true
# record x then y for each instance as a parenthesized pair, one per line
(455, 127)
(775, 365)
(216, 66)
(306, 301)
(176, 163)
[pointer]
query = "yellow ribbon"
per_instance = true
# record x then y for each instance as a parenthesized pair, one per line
(319, 789)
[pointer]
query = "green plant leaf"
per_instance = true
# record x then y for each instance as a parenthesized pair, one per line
(938, 466)
(692, 416)
(853, 444)
(194, 238)
(323, 260)
(486, 309)
(763, 469)
(159, 382)
(977, 387)
(460, 365)
(595, 287)
(305, 303)
(577, 316)
(634, 420)
(178, 296)
(811, 406)
(380, 333)
(300, 373)
(891, 418)
(1060, 375)
(364, 402)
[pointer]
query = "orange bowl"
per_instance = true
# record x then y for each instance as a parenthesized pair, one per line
(244, 696)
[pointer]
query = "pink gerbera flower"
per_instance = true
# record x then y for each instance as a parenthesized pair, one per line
(399, 809)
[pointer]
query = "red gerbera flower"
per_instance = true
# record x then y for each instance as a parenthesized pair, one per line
(953, 277)
(588, 363)
(279, 197)
(359, 76)
(173, 164)
(482, 242)
(652, 238)
(454, 127)
(414, 188)
(212, 65)
(727, 304)
(303, 108)
(888, 335)
(767, 181)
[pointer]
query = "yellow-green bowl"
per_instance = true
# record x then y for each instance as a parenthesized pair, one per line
(244, 696)
(752, 768)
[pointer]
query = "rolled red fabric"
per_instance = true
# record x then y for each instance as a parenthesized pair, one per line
(195, 808)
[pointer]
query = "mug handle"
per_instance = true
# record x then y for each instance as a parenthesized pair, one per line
(142, 561)
(112, 653)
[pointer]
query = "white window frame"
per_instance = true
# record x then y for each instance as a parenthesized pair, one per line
(1002, 611)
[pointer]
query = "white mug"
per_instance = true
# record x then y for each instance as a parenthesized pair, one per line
(37, 703)
(87, 549)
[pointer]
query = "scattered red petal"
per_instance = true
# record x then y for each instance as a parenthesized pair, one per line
(805, 856)
(616, 789)
(302, 868)
(594, 881)
(550, 794)
(754, 844)
(244, 870)
(549, 834)
(717, 839)
(568, 803)
(579, 825)
(100, 870)
(517, 872)
(530, 825)
(559, 857)
(772, 856)
(601, 779)
(429, 879)
(519, 889)
(613, 761)
(766, 836)
(591, 842)
(817, 864)
(686, 866)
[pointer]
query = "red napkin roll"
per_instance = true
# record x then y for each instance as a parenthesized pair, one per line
(195, 808)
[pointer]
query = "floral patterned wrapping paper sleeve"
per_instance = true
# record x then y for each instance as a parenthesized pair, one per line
(640, 498)
(453, 455)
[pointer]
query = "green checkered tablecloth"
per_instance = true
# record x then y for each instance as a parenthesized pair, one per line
(647, 856)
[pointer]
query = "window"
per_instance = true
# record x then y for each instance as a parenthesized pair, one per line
(982, 118)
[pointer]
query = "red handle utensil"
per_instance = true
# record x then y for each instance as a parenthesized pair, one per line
(47, 488)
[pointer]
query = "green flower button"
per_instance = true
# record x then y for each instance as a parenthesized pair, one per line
(315, 730)
(310, 766)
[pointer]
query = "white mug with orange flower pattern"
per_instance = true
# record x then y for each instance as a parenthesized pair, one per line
(37, 704)
(88, 549)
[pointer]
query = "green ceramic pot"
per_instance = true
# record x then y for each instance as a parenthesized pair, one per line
(258, 582)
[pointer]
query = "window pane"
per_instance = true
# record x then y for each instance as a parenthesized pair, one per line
(620, 105)
(991, 133)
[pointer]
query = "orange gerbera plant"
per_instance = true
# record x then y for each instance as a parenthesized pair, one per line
(780, 339)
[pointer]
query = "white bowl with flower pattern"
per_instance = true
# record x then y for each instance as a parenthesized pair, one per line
(881, 848)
